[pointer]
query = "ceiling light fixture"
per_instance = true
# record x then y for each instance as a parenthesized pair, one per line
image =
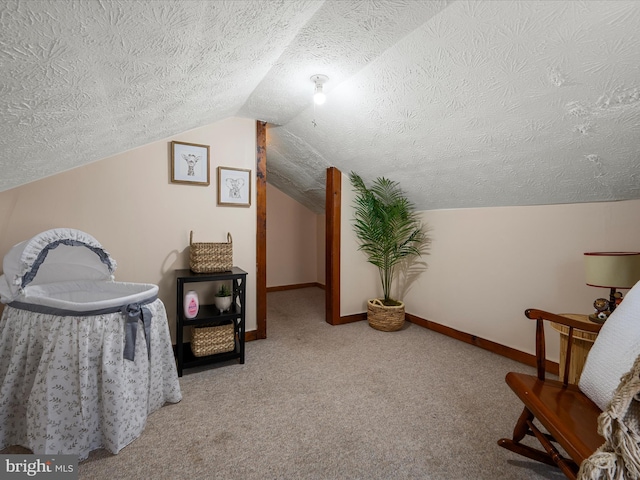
(318, 94)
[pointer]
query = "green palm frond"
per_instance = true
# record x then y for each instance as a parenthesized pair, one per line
(386, 225)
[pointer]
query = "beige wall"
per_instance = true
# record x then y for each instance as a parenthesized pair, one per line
(359, 280)
(487, 265)
(129, 205)
(293, 250)
(321, 242)
(499, 261)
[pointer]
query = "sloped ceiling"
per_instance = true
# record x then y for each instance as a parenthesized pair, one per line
(465, 103)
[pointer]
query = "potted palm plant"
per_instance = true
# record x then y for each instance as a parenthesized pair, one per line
(389, 232)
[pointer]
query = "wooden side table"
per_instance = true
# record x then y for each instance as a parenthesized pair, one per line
(582, 343)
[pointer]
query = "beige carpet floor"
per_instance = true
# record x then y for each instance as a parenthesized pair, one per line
(315, 401)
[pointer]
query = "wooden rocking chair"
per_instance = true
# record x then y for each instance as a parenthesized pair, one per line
(569, 416)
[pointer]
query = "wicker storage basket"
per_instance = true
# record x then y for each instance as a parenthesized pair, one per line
(210, 257)
(381, 317)
(211, 340)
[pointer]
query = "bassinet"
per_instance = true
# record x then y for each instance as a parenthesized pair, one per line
(83, 359)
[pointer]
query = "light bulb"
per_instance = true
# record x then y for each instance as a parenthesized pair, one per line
(318, 94)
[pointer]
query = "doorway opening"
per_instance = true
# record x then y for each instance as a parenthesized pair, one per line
(332, 238)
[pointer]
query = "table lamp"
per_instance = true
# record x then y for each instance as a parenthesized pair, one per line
(611, 270)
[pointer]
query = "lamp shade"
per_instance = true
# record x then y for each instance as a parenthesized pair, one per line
(612, 269)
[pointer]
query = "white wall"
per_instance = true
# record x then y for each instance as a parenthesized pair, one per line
(292, 241)
(487, 265)
(128, 203)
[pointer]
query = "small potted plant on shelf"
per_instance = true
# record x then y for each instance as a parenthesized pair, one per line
(223, 298)
(389, 231)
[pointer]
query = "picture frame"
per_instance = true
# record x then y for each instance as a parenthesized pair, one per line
(234, 187)
(190, 163)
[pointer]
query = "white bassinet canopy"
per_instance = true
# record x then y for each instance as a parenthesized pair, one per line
(67, 272)
(57, 255)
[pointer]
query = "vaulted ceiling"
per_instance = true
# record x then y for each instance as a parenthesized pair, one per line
(465, 103)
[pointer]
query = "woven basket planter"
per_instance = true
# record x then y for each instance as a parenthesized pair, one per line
(381, 317)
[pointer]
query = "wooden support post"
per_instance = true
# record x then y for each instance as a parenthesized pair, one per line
(332, 245)
(261, 230)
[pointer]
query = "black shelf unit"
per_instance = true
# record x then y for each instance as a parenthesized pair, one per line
(210, 315)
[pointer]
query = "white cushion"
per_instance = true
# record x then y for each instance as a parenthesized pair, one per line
(614, 351)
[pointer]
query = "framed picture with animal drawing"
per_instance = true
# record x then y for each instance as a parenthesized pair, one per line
(234, 187)
(189, 163)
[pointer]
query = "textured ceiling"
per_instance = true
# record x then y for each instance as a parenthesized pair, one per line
(466, 103)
